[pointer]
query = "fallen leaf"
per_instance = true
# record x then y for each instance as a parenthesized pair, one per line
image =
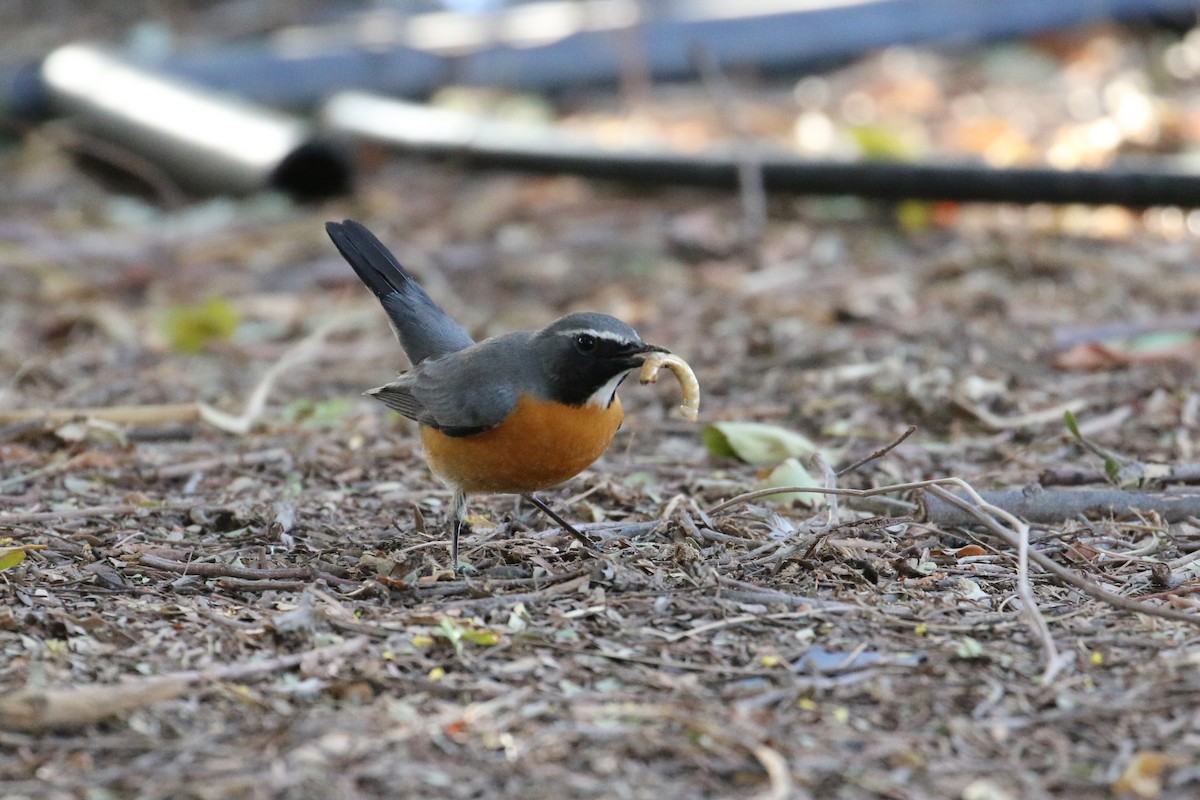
(792, 473)
(984, 789)
(11, 557)
(755, 442)
(1090, 356)
(1083, 552)
(969, 649)
(485, 638)
(1142, 776)
(189, 328)
(969, 590)
(1148, 349)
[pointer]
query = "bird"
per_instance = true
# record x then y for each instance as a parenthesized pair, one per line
(513, 414)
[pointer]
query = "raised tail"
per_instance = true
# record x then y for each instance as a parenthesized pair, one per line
(424, 330)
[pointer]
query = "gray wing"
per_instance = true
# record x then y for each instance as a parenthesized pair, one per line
(397, 396)
(460, 394)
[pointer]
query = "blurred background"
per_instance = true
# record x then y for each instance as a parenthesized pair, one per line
(168, 166)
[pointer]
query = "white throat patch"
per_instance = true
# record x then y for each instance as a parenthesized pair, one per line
(603, 397)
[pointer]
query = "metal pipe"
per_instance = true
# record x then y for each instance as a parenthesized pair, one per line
(209, 142)
(478, 141)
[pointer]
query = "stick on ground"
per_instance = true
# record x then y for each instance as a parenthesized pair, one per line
(74, 707)
(1047, 506)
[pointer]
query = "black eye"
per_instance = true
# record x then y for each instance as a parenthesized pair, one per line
(585, 343)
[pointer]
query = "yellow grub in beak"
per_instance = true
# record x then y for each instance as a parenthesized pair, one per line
(683, 373)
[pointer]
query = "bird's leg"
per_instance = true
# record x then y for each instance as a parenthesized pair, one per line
(458, 524)
(562, 523)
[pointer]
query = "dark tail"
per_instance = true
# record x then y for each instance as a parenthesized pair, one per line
(424, 330)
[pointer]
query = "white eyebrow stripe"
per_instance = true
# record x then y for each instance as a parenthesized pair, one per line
(606, 335)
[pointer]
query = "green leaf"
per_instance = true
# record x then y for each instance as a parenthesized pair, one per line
(518, 618)
(1112, 469)
(969, 648)
(482, 637)
(1160, 340)
(317, 414)
(881, 143)
(189, 328)
(457, 633)
(755, 442)
(915, 216)
(716, 442)
(1072, 425)
(792, 473)
(452, 632)
(11, 557)
(449, 628)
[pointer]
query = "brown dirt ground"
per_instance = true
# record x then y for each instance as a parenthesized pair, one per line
(752, 653)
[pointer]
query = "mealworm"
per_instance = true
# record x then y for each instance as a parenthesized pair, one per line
(683, 373)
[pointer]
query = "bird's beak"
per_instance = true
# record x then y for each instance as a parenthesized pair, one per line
(636, 354)
(645, 349)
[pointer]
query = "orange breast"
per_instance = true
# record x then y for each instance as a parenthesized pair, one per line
(540, 445)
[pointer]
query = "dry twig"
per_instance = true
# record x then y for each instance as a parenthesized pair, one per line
(548, 593)
(731, 621)
(686, 666)
(999, 423)
(119, 415)
(987, 514)
(298, 353)
(1079, 476)
(72, 513)
(1044, 561)
(211, 570)
(1079, 582)
(750, 593)
(757, 494)
(1047, 506)
(880, 453)
(265, 585)
(252, 459)
(239, 424)
(37, 710)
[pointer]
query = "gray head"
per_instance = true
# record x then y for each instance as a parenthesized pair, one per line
(585, 356)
